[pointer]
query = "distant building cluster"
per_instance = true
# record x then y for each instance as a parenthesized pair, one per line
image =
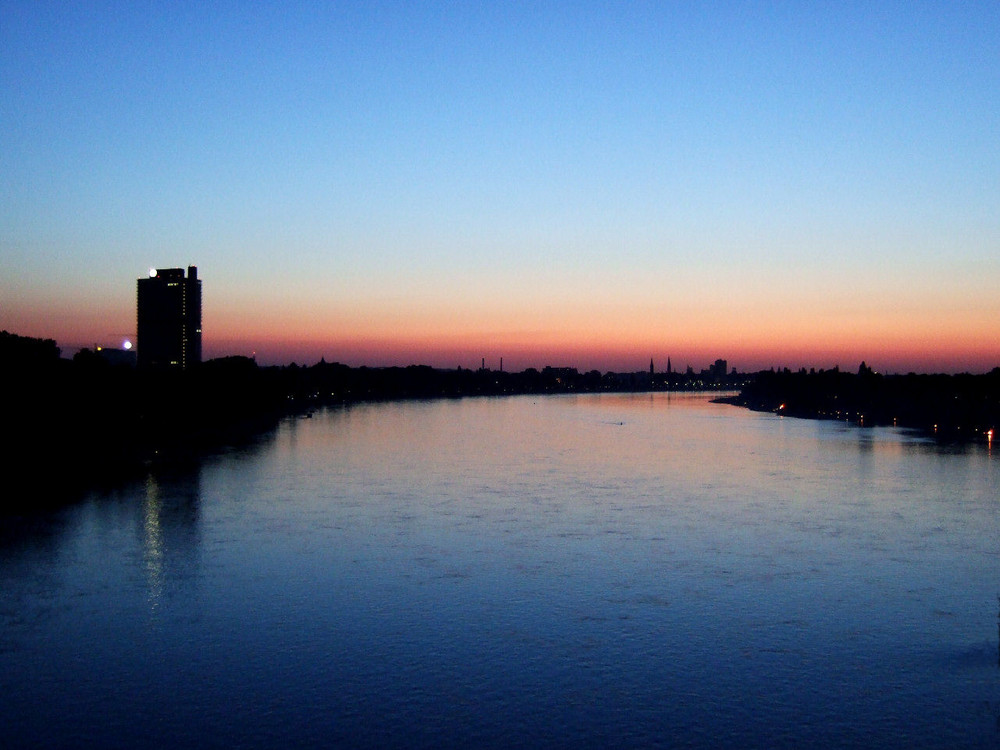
(169, 319)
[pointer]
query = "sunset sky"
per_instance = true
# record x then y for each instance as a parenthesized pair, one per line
(578, 183)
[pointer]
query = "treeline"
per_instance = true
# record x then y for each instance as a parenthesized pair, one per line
(325, 383)
(73, 424)
(950, 406)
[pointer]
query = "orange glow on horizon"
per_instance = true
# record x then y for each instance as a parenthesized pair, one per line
(751, 332)
(557, 331)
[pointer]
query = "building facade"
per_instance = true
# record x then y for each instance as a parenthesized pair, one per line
(169, 319)
(719, 371)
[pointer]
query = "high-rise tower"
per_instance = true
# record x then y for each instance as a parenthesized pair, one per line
(169, 319)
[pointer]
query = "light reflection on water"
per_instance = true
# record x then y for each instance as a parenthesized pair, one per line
(631, 570)
(153, 543)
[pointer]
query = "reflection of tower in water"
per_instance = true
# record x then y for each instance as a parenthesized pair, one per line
(169, 534)
(152, 548)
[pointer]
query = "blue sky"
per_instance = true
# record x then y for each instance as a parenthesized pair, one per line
(382, 182)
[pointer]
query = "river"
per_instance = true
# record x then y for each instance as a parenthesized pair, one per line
(628, 570)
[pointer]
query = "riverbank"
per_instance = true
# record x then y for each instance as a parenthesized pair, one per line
(950, 407)
(83, 424)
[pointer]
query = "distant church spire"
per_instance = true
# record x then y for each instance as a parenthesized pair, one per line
(650, 366)
(669, 370)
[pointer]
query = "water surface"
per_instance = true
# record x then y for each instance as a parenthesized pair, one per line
(628, 570)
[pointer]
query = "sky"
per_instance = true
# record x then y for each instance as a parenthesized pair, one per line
(555, 183)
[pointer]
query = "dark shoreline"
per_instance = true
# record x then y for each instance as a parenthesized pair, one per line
(950, 408)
